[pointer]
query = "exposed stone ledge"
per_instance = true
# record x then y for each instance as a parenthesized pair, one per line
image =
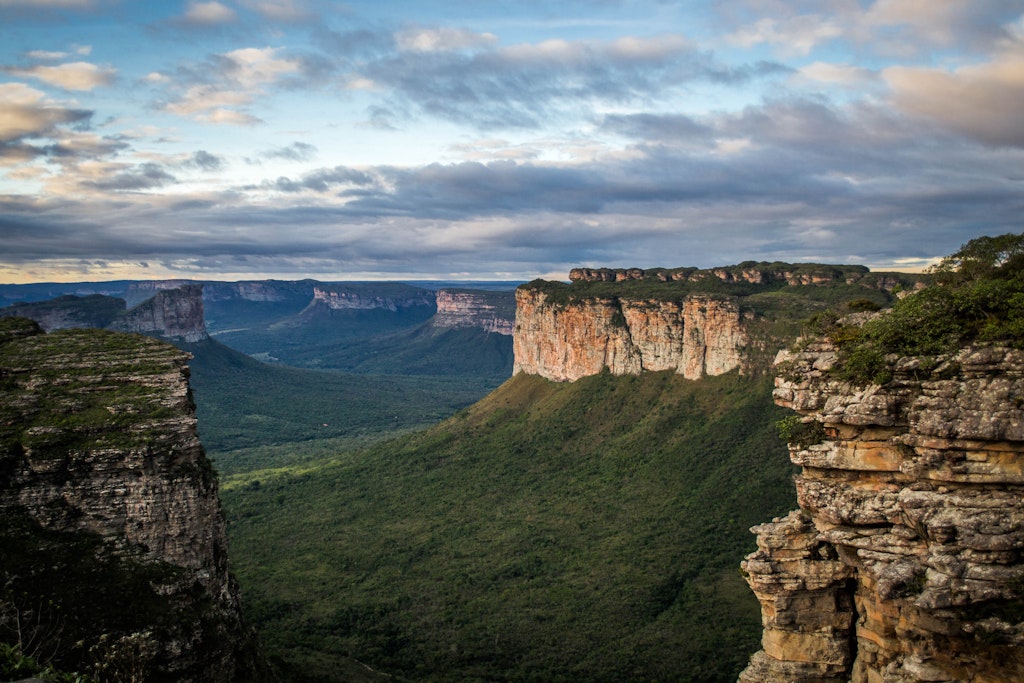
(914, 505)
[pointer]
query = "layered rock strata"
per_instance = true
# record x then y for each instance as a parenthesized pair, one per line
(387, 296)
(702, 335)
(490, 311)
(904, 562)
(172, 313)
(99, 451)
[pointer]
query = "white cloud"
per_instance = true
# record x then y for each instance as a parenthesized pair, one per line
(279, 10)
(259, 66)
(839, 74)
(209, 13)
(45, 55)
(442, 39)
(229, 117)
(796, 35)
(71, 76)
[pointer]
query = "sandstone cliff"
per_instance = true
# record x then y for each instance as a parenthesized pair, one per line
(702, 335)
(490, 311)
(174, 314)
(385, 296)
(904, 562)
(110, 511)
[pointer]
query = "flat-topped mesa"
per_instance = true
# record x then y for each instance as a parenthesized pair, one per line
(109, 507)
(171, 313)
(758, 273)
(904, 562)
(489, 311)
(386, 296)
(701, 335)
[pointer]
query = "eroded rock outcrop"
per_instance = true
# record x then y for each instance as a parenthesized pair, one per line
(490, 311)
(171, 313)
(109, 509)
(904, 562)
(702, 335)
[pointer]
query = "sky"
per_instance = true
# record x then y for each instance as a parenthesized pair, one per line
(494, 139)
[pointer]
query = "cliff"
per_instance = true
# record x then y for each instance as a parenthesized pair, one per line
(175, 314)
(94, 310)
(489, 311)
(700, 335)
(384, 296)
(904, 562)
(115, 557)
(757, 273)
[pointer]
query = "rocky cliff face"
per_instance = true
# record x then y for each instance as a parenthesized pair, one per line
(904, 562)
(490, 311)
(703, 335)
(110, 507)
(386, 296)
(173, 313)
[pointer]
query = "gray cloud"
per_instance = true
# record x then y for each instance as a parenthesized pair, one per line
(297, 151)
(205, 161)
(142, 177)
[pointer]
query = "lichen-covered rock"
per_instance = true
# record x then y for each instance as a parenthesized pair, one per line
(917, 488)
(702, 335)
(109, 507)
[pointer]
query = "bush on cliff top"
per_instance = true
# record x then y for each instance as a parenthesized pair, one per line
(978, 297)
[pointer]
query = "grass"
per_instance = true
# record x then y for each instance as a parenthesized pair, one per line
(551, 532)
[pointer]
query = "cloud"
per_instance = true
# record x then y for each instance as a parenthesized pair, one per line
(983, 101)
(218, 91)
(522, 86)
(322, 180)
(26, 114)
(796, 35)
(442, 39)
(208, 14)
(142, 177)
(206, 161)
(71, 76)
(838, 74)
(297, 151)
(279, 10)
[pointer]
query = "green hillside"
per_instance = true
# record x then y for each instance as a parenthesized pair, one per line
(588, 531)
(244, 404)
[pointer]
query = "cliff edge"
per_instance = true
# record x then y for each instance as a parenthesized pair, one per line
(115, 558)
(904, 561)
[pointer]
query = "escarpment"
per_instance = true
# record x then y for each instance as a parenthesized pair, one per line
(490, 311)
(115, 543)
(701, 335)
(904, 562)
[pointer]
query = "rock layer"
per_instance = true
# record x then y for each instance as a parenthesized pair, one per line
(904, 562)
(702, 335)
(98, 447)
(490, 311)
(173, 313)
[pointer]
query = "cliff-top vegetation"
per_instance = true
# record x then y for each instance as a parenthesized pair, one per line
(977, 297)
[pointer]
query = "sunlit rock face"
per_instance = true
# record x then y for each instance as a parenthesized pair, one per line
(99, 450)
(699, 336)
(904, 562)
(490, 311)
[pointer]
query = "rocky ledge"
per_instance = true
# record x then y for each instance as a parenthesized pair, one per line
(904, 562)
(115, 543)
